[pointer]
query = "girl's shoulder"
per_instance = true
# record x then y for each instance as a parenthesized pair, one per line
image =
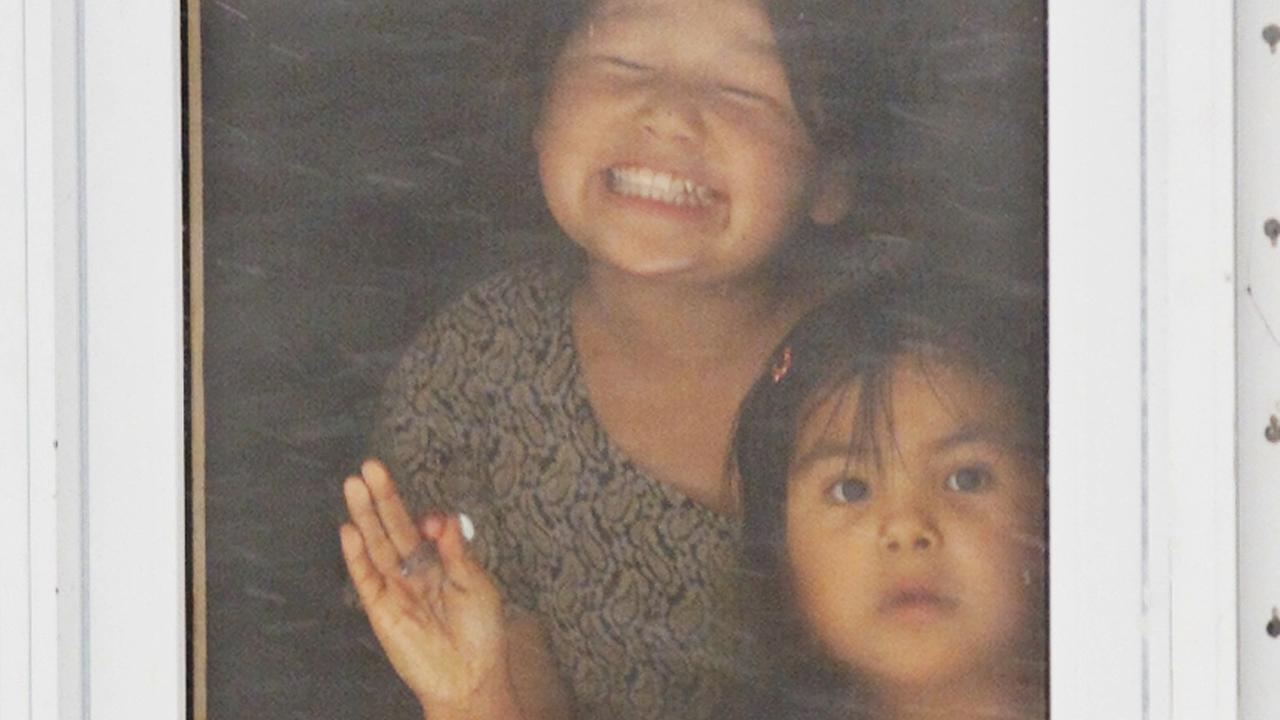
(532, 292)
(518, 310)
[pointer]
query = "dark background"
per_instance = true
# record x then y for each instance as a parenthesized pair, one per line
(364, 162)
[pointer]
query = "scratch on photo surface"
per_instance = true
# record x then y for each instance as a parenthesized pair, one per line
(469, 38)
(289, 628)
(231, 10)
(237, 132)
(270, 596)
(469, 215)
(293, 54)
(389, 181)
(1253, 301)
(446, 158)
(305, 170)
(251, 269)
(1247, 273)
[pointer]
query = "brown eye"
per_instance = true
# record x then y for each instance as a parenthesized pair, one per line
(849, 490)
(969, 480)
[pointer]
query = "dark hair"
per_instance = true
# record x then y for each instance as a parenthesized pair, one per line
(833, 52)
(857, 337)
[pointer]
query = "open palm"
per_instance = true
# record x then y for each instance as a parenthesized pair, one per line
(440, 625)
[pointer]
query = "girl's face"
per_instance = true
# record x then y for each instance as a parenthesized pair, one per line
(925, 570)
(668, 143)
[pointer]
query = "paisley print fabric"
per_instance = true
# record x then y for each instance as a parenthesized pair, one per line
(488, 414)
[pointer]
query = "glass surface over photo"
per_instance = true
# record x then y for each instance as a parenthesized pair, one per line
(623, 359)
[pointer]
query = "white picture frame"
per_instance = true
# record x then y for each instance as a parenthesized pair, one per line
(1142, 389)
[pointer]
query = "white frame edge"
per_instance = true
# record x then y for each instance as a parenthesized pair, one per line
(1258, 353)
(43, 610)
(1097, 640)
(15, 573)
(134, 494)
(1191, 379)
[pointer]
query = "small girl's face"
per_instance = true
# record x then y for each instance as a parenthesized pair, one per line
(924, 568)
(669, 145)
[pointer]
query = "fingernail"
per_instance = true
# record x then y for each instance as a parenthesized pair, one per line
(432, 524)
(468, 528)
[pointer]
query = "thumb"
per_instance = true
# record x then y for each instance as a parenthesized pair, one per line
(430, 525)
(458, 567)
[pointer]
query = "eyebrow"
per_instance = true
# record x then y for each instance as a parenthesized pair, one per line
(968, 435)
(825, 451)
(972, 435)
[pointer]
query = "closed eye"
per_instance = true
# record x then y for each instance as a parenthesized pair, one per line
(626, 64)
(742, 93)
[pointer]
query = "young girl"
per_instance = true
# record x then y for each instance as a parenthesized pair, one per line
(580, 413)
(892, 479)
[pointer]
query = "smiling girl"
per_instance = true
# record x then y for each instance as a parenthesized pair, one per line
(892, 470)
(580, 413)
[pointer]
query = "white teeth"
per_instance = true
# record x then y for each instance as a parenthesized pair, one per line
(663, 187)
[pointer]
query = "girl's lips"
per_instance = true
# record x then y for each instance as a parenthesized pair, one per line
(915, 600)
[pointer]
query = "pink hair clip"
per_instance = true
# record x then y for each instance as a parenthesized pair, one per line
(783, 366)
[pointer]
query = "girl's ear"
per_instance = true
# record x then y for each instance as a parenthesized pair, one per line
(835, 192)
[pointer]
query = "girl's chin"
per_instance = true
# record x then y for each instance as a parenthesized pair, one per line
(650, 262)
(660, 267)
(668, 261)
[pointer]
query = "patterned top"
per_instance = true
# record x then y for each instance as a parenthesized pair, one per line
(488, 413)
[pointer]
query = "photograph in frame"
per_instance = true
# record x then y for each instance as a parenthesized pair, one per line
(373, 208)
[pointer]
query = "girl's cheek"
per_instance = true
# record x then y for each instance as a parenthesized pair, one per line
(781, 144)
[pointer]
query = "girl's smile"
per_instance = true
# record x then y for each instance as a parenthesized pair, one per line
(659, 187)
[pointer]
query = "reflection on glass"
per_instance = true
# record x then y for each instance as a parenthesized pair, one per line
(545, 250)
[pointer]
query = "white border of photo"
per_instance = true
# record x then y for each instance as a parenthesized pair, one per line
(1142, 510)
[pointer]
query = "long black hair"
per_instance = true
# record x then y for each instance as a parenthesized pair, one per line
(856, 338)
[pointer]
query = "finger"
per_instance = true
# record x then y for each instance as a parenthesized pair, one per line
(369, 583)
(433, 593)
(404, 535)
(360, 506)
(459, 569)
(430, 525)
(384, 602)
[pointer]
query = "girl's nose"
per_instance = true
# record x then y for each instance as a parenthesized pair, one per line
(673, 112)
(909, 529)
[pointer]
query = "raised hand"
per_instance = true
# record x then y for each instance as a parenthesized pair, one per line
(441, 624)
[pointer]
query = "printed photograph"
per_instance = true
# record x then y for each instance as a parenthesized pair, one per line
(618, 359)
